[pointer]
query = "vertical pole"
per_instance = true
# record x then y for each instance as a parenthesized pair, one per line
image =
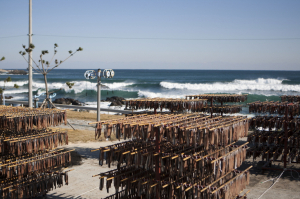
(98, 94)
(286, 135)
(36, 102)
(221, 108)
(157, 164)
(29, 57)
(3, 98)
(211, 107)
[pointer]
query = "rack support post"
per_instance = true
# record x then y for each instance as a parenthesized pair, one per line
(157, 163)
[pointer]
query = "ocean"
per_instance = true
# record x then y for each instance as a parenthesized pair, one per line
(259, 85)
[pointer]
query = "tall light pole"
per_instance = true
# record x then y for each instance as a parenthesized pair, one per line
(29, 57)
(91, 74)
(98, 94)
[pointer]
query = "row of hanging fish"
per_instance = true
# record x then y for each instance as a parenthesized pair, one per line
(146, 120)
(290, 98)
(222, 109)
(10, 111)
(271, 107)
(273, 122)
(28, 123)
(220, 97)
(21, 168)
(136, 152)
(183, 164)
(192, 130)
(172, 155)
(275, 138)
(166, 103)
(274, 153)
(36, 186)
(27, 158)
(142, 184)
(46, 140)
(221, 135)
(270, 145)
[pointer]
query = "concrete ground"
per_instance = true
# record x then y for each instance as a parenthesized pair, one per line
(288, 186)
(81, 182)
(83, 185)
(85, 165)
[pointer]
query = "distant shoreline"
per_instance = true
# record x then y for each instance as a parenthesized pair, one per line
(170, 69)
(13, 72)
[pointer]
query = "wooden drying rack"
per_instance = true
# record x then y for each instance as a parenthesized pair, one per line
(158, 101)
(221, 98)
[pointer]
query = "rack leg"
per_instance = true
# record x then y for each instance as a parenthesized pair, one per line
(157, 163)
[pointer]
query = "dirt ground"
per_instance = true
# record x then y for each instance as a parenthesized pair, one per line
(84, 115)
(85, 165)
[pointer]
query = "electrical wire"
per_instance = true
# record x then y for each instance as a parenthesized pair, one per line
(167, 38)
(160, 38)
(12, 36)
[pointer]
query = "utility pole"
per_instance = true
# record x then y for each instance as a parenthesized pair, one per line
(30, 57)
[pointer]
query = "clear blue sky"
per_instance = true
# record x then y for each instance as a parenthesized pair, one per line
(156, 34)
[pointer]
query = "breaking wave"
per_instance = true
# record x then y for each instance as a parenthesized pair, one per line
(80, 86)
(259, 84)
(12, 83)
(118, 85)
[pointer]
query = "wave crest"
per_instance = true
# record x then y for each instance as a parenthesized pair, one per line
(117, 85)
(12, 83)
(259, 84)
(80, 86)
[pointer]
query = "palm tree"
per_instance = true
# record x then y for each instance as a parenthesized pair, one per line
(43, 67)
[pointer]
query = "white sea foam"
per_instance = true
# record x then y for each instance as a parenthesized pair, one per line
(106, 106)
(17, 97)
(54, 85)
(12, 83)
(259, 84)
(118, 85)
(94, 104)
(80, 86)
(37, 85)
(182, 93)
(149, 94)
(9, 74)
(15, 91)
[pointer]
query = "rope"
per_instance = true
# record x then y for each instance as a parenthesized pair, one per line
(272, 184)
(293, 176)
(84, 193)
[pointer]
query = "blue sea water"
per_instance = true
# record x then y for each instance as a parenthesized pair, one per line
(260, 85)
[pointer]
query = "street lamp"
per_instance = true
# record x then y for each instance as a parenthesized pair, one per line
(91, 74)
